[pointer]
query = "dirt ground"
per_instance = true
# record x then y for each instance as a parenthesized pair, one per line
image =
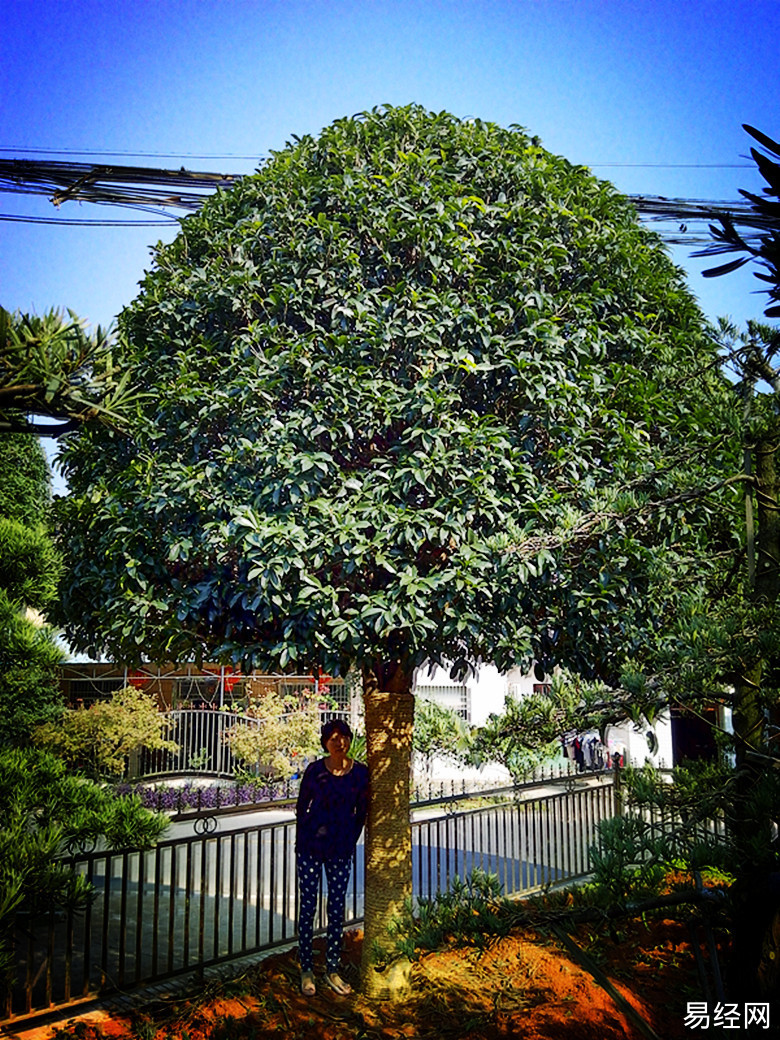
(525, 985)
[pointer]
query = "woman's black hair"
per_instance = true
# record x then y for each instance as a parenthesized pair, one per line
(329, 728)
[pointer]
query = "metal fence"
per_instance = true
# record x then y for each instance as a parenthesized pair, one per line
(203, 747)
(199, 901)
(212, 687)
(554, 771)
(526, 844)
(200, 737)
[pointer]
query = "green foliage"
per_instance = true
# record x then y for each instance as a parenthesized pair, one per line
(704, 791)
(762, 246)
(416, 397)
(24, 483)
(50, 365)
(29, 564)
(357, 749)
(625, 862)
(98, 740)
(527, 732)
(472, 910)
(439, 732)
(684, 823)
(29, 685)
(287, 731)
(45, 811)
(29, 572)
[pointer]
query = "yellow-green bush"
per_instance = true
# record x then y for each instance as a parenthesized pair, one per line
(288, 731)
(100, 738)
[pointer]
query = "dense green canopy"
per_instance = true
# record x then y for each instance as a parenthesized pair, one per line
(417, 390)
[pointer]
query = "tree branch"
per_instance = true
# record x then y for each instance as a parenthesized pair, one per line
(594, 521)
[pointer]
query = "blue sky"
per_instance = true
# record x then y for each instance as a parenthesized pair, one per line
(658, 88)
(651, 94)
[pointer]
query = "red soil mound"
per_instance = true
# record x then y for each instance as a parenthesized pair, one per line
(524, 985)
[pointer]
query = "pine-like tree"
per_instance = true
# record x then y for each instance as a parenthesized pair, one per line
(29, 572)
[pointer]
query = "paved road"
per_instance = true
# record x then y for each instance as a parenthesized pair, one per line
(230, 822)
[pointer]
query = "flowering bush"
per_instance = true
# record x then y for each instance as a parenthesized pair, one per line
(288, 731)
(190, 795)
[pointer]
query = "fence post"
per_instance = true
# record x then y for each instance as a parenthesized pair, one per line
(617, 785)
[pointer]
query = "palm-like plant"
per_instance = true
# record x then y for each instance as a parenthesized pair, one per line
(52, 366)
(763, 245)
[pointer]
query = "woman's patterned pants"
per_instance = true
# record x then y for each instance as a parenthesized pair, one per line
(309, 875)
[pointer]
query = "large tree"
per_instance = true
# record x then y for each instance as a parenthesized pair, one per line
(418, 391)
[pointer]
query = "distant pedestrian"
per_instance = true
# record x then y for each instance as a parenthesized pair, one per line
(331, 812)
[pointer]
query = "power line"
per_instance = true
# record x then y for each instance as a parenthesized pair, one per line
(257, 158)
(151, 155)
(130, 185)
(19, 219)
(147, 188)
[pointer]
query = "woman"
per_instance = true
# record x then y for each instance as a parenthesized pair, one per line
(331, 811)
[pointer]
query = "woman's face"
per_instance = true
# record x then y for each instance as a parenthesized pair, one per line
(337, 743)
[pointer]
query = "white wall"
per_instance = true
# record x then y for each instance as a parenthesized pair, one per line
(488, 688)
(632, 742)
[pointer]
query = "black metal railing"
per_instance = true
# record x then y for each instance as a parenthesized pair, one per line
(198, 901)
(434, 792)
(526, 844)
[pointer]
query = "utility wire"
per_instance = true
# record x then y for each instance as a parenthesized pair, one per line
(258, 158)
(139, 155)
(149, 188)
(19, 219)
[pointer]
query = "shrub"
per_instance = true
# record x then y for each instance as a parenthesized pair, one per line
(45, 811)
(438, 731)
(99, 739)
(288, 731)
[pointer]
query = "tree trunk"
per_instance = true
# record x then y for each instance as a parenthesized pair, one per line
(389, 724)
(751, 821)
(748, 710)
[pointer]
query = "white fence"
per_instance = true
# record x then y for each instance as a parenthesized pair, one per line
(203, 747)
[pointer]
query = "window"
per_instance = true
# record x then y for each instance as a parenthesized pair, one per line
(82, 692)
(455, 697)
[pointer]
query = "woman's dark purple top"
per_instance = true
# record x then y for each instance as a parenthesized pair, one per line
(331, 811)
